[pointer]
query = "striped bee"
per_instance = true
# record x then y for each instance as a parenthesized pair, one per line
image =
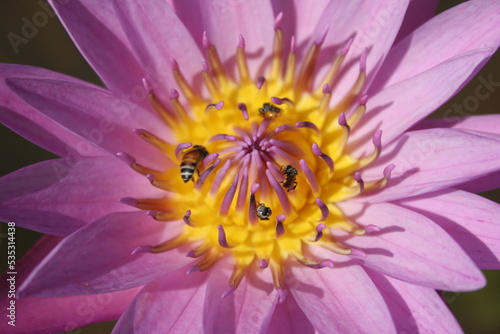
(291, 173)
(191, 161)
(269, 111)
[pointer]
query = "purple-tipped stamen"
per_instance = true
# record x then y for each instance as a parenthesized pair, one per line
(260, 82)
(263, 264)
(228, 197)
(280, 229)
(282, 196)
(174, 64)
(362, 60)
(388, 170)
(221, 136)
(357, 178)
(326, 158)
(210, 158)
(220, 176)
(310, 177)
(322, 264)
(308, 125)
(181, 147)
(357, 252)
(193, 269)
(343, 122)
(129, 201)
(222, 237)
(206, 173)
(147, 86)
(292, 44)
(186, 218)
(228, 292)
(241, 42)
(319, 231)
(326, 89)
(204, 40)
(243, 108)
(127, 158)
(277, 20)
(324, 209)
(372, 229)
(142, 249)
(174, 94)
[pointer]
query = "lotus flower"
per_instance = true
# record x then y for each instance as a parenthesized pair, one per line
(255, 166)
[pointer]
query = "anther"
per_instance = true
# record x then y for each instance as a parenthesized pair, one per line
(263, 264)
(324, 209)
(317, 151)
(280, 229)
(356, 252)
(147, 86)
(228, 197)
(174, 64)
(127, 158)
(310, 177)
(343, 122)
(221, 137)
(243, 108)
(142, 249)
(260, 82)
(321, 38)
(359, 180)
(308, 125)
(277, 20)
(222, 237)
(181, 147)
(186, 218)
(319, 231)
(206, 173)
(129, 201)
(372, 229)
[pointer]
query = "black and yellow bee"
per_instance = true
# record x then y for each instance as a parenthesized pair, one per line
(291, 173)
(191, 161)
(269, 111)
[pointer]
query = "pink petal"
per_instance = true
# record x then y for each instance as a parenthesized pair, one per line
(398, 107)
(226, 20)
(485, 123)
(415, 309)
(288, 318)
(434, 159)
(418, 12)
(412, 248)
(59, 196)
(246, 310)
(341, 300)
(470, 219)
(30, 123)
(98, 258)
(156, 33)
(484, 183)
(54, 315)
(99, 117)
(100, 38)
(170, 304)
(469, 26)
(373, 24)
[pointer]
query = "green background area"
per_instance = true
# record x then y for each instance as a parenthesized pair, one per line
(51, 48)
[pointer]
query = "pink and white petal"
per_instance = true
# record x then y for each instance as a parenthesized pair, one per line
(54, 315)
(415, 309)
(418, 12)
(156, 33)
(434, 159)
(471, 220)
(29, 122)
(107, 264)
(59, 196)
(288, 318)
(226, 20)
(411, 247)
(374, 26)
(397, 108)
(299, 18)
(189, 12)
(96, 115)
(341, 300)
(246, 310)
(485, 123)
(170, 304)
(481, 184)
(469, 26)
(97, 33)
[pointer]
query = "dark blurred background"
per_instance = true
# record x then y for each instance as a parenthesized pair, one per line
(51, 48)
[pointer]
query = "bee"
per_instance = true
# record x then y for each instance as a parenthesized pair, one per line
(263, 212)
(291, 173)
(269, 111)
(191, 161)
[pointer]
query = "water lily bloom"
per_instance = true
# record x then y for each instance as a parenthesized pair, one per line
(255, 167)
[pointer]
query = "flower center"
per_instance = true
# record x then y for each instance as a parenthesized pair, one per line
(260, 163)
